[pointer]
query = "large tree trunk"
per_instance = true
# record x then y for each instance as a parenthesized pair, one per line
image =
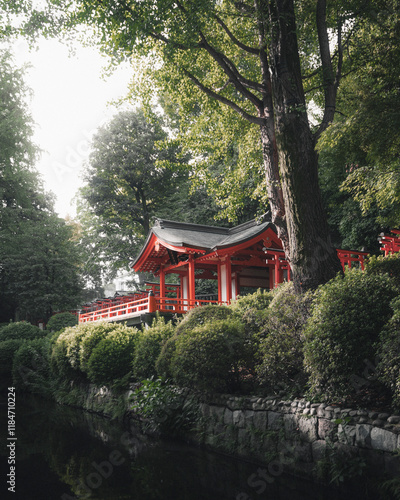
(312, 258)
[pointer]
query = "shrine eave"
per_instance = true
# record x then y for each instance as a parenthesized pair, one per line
(197, 239)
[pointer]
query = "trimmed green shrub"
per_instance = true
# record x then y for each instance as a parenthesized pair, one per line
(75, 345)
(60, 321)
(252, 310)
(388, 368)
(7, 350)
(348, 314)
(149, 346)
(210, 356)
(164, 360)
(280, 352)
(385, 265)
(111, 359)
(31, 367)
(201, 315)
(21, 330)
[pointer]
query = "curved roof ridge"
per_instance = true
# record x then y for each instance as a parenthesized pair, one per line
(170, 224)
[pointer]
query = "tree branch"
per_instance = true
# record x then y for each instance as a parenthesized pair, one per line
(250, 50)
(329, 81)
(239, 82)
(247, 116)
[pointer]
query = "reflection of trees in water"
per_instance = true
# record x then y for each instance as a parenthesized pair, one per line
(92, 455)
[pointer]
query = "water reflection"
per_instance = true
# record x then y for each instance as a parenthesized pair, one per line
(66, 454)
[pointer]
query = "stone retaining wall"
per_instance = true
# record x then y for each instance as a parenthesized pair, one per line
(294, 436)
(300, 436)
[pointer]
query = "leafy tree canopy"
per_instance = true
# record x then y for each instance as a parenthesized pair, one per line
(267, 61)
(360, 150)
(133, 176)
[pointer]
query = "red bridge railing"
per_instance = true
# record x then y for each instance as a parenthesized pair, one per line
(145, 305)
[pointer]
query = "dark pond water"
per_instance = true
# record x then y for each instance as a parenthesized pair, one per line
(65, 454)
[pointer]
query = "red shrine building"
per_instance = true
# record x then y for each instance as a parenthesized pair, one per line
(248, 256)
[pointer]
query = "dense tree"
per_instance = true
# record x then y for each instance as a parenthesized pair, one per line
(361, 148)
(266, 60)
(252, 57)
(38, 260)
(131, 178)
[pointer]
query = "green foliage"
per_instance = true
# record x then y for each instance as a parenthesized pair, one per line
(141, 178)
(31, 367)
(385, 265)
(364, 140)
(39, 261)
(389, 353)
(252, 310)
(7, 350)
(60, 321)
(280, 353)
(148, 348)
(20, 330)
(210, 357)
(347, 316)
(163, 408)
(74, 347)
(111, 358)
(164, 360)
(201, 315)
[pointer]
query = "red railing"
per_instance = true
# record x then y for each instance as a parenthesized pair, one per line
(145, 305)
(349, 257)
(115, 313)
(390, 243)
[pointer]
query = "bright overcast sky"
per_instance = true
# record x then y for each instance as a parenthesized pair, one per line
(70, 102)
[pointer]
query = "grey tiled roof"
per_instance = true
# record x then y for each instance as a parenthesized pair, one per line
(182, 234)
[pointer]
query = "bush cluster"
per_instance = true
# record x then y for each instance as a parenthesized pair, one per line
(99, 352)
(210, 357)
(12, 337)
(348, 314)
(280, 352)
(60, 321)
(31, 367)
(271, 340)
(388, 368)
(148, 347)
(21, 330)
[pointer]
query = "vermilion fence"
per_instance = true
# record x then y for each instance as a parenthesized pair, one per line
(137, 307)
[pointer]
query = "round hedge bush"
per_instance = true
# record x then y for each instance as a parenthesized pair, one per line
(210, 356)
(164, 360)
(74, 346)
(347, 315)
(280, 352)
(389, 265)
(21, 330)
(148, 348)
(252, 310)
(8, 348)
(388, 368)
(201, 315)
(31, 366)
(111, 359)
(60, 321)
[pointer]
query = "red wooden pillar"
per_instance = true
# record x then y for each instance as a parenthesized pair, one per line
(271, 277)
(192, 286)
(162, 287)
(219, 282)
(228, 279)
(277, 271)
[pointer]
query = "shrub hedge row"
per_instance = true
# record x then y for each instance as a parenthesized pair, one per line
(268, 341)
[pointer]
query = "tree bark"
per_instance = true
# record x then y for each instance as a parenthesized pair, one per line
(312, 258)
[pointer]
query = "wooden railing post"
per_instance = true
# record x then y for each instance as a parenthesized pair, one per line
(152, 302)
